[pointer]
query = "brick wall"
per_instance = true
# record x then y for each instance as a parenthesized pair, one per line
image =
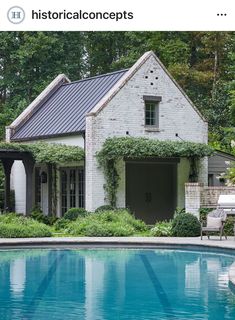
(125, 112)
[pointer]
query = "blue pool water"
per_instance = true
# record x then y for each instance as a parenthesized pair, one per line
(110, 284)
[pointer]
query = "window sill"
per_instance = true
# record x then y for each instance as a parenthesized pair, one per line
(152, 129)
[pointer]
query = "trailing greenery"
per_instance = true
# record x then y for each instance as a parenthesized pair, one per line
(106, 224)
(230, 175)
(51, 153)
(118, 148)
(73, 213)
(16, 226)
(162, 229)
(186, 225)
(138, 147)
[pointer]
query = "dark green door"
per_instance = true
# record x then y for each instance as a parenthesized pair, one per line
(151, 190)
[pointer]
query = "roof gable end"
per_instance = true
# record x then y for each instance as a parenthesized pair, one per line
(117, 87)
(35, 105)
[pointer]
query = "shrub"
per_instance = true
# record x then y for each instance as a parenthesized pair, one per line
(203, 214)
(61, 224)
(105, 207)
(15, 226)
(12, 199)
(107, 223)
(162, 229)
(49, 220)
(186, 225)
(178, 211)
(228, 226)
(73, 213)
(96, 229)
(38, 215)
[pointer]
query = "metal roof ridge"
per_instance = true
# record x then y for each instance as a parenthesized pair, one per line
(95, 77)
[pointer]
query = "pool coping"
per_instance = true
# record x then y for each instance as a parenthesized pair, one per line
(129, 242)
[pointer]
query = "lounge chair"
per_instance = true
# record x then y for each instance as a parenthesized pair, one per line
(215, 223)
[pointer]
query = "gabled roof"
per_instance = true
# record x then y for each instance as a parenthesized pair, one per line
(63, 112)
(63, 106)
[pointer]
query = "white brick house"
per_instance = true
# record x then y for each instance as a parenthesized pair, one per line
(144, 101)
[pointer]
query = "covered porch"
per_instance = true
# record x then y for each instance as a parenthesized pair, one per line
(7, 158)
(33, 167)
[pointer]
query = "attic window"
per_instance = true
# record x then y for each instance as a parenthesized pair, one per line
(152, 111)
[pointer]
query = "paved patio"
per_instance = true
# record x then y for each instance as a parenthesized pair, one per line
(214, 242)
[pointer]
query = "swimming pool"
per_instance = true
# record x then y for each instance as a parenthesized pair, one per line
(110, 284)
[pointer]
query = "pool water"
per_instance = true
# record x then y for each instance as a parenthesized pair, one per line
(110, 284)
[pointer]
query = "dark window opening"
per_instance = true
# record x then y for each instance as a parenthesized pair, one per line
(151, 113)
(38, 195)
(72, 189)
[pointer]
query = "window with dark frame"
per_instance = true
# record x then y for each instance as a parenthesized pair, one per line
(72, 188)
(152, 111)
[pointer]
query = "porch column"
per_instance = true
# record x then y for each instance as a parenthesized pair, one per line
(7, 165)
(29, 165)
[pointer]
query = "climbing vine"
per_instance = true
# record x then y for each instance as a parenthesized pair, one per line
(51, 153)
(115, 149)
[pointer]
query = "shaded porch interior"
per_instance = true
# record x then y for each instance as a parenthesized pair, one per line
(7, 158)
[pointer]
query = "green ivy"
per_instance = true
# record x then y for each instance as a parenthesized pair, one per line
(115, 149)
(50, 153)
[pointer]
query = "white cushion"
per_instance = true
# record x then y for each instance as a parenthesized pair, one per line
(213, 222)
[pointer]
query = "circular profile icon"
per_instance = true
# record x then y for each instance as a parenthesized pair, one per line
(16, 15)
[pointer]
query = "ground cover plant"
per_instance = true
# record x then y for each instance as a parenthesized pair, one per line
(16, 226)
(162, 229)
(108, 223)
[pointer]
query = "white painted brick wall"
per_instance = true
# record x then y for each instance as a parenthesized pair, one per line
(125, 112)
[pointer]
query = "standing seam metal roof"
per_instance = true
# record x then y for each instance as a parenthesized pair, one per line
(64, 112)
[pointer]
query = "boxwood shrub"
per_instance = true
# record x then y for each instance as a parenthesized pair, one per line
(73, 213)
(186, 225)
